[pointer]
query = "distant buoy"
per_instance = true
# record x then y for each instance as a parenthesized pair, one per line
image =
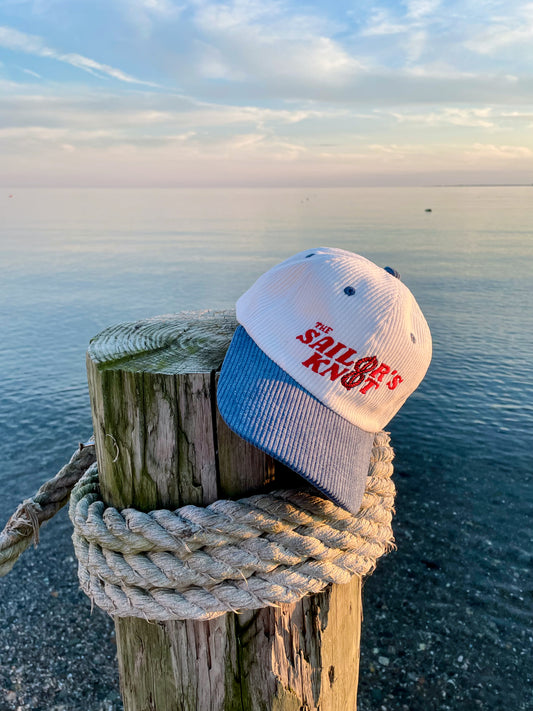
(428, 209)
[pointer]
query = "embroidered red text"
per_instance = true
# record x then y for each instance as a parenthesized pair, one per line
(336, 360)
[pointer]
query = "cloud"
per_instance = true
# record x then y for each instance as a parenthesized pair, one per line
(220, 16)
(272, 82)
(475, 118)
(416, 45)
(409, 35)
(381, 24)
(512, 30)
(44, 122)
(29, 44)
(483, 151)
(147, 123)
(143, 111)
(32, 73)
(160, 7)
(180, 141)
(147, 15)
(422, 8)
(264, 42)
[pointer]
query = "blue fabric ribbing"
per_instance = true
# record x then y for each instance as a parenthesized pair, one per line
(265, 406)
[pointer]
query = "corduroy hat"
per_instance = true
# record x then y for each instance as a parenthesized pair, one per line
(328, 349)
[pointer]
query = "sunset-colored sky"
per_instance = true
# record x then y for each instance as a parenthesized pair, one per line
(265, 92)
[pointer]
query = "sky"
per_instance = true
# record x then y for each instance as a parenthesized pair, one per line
(176, 93)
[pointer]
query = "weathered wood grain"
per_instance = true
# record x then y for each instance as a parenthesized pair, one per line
(161, 443)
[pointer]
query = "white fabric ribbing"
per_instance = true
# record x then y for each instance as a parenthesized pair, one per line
(381, 318)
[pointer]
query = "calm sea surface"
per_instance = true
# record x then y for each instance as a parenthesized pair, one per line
(459, 590)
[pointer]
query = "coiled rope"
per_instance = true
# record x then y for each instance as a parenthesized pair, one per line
(199, 563)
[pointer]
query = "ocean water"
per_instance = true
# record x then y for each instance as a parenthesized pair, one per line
(451, 610)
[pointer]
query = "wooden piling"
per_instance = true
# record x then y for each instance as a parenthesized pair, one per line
(161, 444)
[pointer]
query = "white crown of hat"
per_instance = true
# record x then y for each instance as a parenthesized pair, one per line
(346, 330)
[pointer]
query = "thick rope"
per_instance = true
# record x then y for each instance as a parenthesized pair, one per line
(23, 526)
(199, 563)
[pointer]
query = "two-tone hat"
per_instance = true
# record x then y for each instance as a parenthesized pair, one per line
(328, 349)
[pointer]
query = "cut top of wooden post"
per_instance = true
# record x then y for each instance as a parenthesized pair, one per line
(188, 342)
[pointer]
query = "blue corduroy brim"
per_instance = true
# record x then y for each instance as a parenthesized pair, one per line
(265, 406)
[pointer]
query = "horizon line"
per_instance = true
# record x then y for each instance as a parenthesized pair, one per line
(260, 187)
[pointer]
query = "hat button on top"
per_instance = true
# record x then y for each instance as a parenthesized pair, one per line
(392, 271)
(349, 290)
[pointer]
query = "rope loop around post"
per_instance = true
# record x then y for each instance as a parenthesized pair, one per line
(199, 563)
